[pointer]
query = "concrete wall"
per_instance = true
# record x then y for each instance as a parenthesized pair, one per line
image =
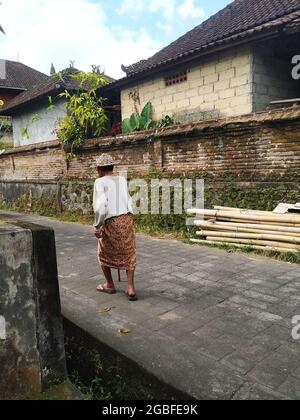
(31, 335)
(220, 86)
(272, 79)
(39, 130)
(232, 83)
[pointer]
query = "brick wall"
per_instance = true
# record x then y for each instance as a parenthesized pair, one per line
(220, 86)
(259, 147)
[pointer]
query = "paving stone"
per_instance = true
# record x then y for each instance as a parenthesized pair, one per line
(268, 376)
(268, 341)
(217, 348)
(260, 297)
(255, 392)
(208, 333)
(213, 324)
(286, 358)
(296, 373)
(282, 334)
(291, 387)
(266, 316)
(241, 300)
(181, 327)
(239, 362)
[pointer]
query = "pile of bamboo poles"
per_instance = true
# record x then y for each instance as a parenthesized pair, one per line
(244, 228)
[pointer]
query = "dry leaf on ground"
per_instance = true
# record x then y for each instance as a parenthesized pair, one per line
(123, 331)
(104, 310)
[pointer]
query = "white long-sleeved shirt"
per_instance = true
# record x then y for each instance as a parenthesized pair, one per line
(111, 199)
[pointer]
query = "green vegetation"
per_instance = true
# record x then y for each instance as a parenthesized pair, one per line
(86, 116)
(5, 127)
(4, 146)
(224, 191)
(139, 122)
(144, 121)
(102, 377)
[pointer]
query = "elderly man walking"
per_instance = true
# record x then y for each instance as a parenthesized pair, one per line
(114, 226)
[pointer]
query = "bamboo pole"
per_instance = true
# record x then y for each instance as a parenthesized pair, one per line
(285, 218)
(266, 248)
(279, 228)
(242, 229)
(262, 237)
(237, 210)
(233, 220)
(254, 242)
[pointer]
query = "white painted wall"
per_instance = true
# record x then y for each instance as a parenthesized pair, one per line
(39, 131)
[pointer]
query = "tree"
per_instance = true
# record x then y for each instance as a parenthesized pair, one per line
(86, 116)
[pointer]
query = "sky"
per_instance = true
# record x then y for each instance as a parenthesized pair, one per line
(107, 33)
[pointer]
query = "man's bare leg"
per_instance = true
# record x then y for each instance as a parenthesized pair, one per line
(109, 284)
(131, 287)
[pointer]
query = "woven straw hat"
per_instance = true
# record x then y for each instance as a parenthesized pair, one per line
(105, 160)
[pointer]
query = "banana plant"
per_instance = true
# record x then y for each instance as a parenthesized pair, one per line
(139, 122)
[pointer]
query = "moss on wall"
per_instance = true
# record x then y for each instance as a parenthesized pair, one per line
(74, 202)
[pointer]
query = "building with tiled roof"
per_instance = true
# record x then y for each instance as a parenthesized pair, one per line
(236, 62)
(36, 113)
(16, 78)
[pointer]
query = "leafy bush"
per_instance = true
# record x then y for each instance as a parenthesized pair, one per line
(86, 116)
(139, 122)
(144, 121)
(5, 127)
(4, 146)
(165, 122)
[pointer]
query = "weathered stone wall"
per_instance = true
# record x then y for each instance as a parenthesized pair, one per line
(219, 86)
(251, 152)
(31, 336)
(262, 146)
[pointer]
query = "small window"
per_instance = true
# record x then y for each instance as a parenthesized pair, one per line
(174, 79)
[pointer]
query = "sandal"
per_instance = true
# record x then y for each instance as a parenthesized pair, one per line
(132, 298)
(103, 289)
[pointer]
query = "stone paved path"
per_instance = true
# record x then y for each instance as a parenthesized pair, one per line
(213, 324)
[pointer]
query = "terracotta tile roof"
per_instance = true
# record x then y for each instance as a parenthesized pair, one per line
(20, 77)
(53, 86)
(239, 19)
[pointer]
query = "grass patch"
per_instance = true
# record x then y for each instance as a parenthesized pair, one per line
(98, 379)
(106, 375)
(159, 226)
(290, 257)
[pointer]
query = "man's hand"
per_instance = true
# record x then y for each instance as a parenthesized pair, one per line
(98, 233)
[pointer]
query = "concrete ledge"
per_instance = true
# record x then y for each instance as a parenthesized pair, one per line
(31, 336)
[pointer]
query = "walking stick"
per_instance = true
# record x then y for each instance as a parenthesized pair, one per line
(119, 275)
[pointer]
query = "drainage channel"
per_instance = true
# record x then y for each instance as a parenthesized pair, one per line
(101, 373)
